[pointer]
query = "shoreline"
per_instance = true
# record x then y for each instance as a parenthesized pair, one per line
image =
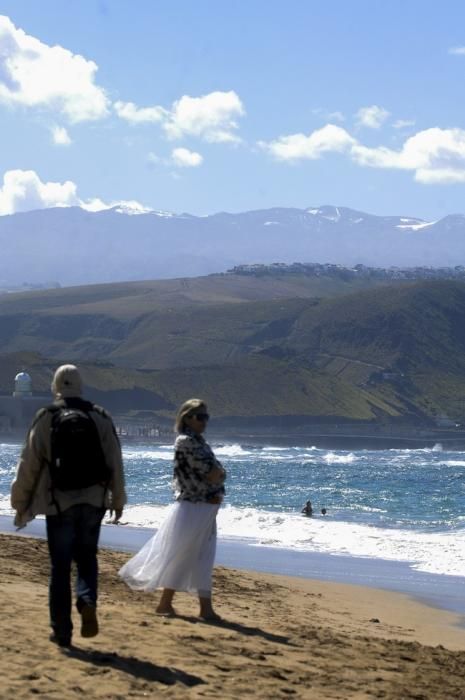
(439, 591)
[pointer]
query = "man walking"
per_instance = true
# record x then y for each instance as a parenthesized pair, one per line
(71, 470)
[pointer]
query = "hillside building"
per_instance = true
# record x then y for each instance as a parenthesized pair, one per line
(18, 409)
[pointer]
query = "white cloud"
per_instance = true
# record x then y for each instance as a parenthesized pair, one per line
(379, 157)
(295, 147)
(372, 117)
(180, 158)
(442, 176)
(184, 158)
(60, 136)
(23, 190)
(34, 74)
(434, 155)
(457, 51)
(211, 117)
(403, 123)
(139, 115)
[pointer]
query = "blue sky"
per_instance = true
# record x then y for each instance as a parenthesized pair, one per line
(221, 105)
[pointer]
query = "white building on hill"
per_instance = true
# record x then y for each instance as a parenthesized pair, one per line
(18, 409)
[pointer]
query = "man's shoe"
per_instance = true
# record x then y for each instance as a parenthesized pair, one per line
(64, 642)
(89, 622)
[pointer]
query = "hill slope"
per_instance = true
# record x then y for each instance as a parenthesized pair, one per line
(382, 354)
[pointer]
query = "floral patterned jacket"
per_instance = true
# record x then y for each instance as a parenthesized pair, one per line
(193, 460)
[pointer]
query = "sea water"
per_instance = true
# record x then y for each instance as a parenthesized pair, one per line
(399, 505)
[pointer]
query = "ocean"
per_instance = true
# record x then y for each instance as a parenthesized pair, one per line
(403, 506)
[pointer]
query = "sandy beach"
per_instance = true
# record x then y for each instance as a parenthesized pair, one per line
(281, 637)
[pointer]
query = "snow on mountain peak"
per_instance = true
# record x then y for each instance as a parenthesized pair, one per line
(131, 208)
(135, 209)
(163, 214)
(414, 224)
(326, 212)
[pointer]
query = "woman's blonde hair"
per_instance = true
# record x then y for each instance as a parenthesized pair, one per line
(189, 408)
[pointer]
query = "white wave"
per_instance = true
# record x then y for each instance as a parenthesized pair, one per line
(275, 458)
(233, 451)
(5, 506)
(366, 509)
(8, 471)
(165, 453)
(437, 447)
(441, 553)
(144, 515)
(434, 552)
(453, 463)
(291, 451)
(333, 458)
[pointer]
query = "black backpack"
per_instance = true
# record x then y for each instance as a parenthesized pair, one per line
(77, 458)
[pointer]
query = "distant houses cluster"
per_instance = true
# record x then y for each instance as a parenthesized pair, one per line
(6, 288)
(358, 271)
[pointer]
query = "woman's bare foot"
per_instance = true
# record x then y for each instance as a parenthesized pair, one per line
(206, 610)
(166, 611)
(211, 617)
(165, 607)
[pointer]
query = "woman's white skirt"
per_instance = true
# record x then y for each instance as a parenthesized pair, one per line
(180, 555)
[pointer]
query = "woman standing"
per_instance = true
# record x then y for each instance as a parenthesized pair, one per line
(179, 557)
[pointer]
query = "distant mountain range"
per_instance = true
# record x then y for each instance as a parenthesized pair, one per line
(72, 246)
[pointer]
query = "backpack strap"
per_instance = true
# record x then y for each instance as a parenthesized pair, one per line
(39, 415)
(101, 411)
(53, 410)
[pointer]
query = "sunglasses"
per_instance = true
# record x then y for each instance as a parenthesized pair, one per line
(203, 417)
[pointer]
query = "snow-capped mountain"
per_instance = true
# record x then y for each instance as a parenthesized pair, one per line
(74, 246)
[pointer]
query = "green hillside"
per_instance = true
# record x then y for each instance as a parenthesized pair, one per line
(257, 386)
(408, 326)
(385, 354)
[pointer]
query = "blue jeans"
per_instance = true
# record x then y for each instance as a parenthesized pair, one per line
(72, 536)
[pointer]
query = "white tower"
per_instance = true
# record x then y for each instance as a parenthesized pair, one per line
(23, 385)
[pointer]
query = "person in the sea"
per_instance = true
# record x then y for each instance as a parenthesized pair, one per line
(180, 556)
(307, 509)
(71, 470)
(323, 511)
